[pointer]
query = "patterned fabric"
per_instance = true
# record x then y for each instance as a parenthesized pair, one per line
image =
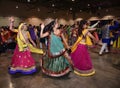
(56, 46)
(82, 61)
(22, 62)
(81, 58)
(105, 32)
(73, 39)
(55, 64)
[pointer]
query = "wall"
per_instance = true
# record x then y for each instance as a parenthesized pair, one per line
(35, 17)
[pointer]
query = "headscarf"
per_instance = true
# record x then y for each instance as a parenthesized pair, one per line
(20, 38)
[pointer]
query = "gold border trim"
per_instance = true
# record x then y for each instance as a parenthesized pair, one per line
(22, 68)
(84, 74)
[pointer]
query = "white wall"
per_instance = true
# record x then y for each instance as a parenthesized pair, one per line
(4, 21)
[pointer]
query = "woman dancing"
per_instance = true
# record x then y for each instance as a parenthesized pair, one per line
(22, 60)
(57, 61)
(79, 55)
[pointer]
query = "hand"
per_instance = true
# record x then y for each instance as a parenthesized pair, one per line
(44, 53)
(96, 42)
(68, 47)
(11, 19)
(71, 63)
(25, 49)
(98, 21)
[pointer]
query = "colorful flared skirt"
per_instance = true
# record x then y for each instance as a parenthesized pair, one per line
(55, 67)
(82, 61)
(22, 62)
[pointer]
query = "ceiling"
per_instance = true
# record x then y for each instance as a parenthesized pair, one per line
(71, 5)
(59, 8)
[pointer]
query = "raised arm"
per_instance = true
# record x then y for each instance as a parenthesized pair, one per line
(91, 29)
(11, 19)
(42, 35)
(94, 25)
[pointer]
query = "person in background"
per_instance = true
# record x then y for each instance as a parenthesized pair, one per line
(31, 30)
(106, 35)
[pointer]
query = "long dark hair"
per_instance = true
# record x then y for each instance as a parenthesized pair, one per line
(49, 27)
(80, 28)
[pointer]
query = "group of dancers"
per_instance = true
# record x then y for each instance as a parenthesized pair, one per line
(55, 61)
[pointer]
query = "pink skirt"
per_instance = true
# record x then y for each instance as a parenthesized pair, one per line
(82, 61)
(22, 62)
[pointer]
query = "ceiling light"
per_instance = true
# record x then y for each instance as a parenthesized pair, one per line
(80, 10)
(53, 5)
(70, 8)
(38, 9)
(88, 4)
(28, 0)
(99, 8)
(16, 6)
(106, 10)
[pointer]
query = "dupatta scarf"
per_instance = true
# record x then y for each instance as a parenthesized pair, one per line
(74, 47)
(20, 39)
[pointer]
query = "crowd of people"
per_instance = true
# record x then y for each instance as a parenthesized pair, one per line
(64, 48)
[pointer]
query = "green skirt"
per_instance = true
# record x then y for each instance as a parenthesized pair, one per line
(55, 67)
